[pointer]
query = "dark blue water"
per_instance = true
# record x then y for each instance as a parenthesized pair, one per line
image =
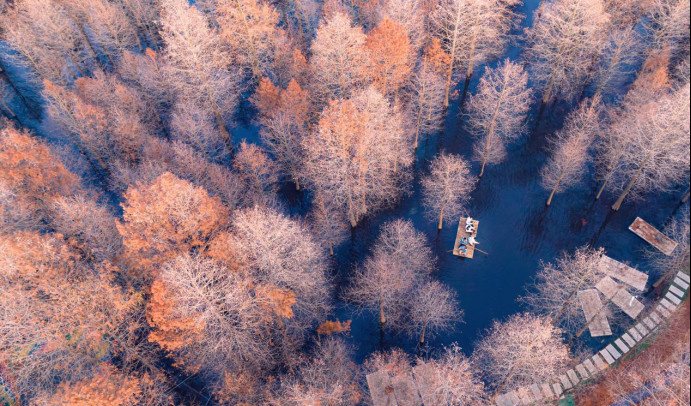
(516, 229)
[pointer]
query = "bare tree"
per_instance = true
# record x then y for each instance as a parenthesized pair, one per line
(208, 316)
(619, 53)
(497, 112)
(658, 154)
(410, 16)
(446, 190)
(250, 29)
(425, 100)
(197, 64)
(668, 26)
(562, 42)
(472, 32)
(557, 283)
(523, 350)
(449, 379)
(400, 260)
(613, 144)
(284, 118)
(434, 308)
(328, 377)
(108, 23)
(258, 174)
(281, 252)
(329, 223)
(569, 149)
(339, 58)
(48, 39)
(358, 154)
(668, 265)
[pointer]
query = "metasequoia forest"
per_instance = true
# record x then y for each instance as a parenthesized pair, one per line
(275, 202)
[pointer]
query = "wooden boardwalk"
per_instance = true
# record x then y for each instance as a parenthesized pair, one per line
(653, 236)
(542, 393)
(623, 273)
(592, 307)
(460, 234)
(620, 297)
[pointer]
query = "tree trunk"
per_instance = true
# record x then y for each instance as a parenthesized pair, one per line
(382, 317)
(554, 190)
(441, 219)
(449, 72)
(422, 336)
(465, 89)
(297, 183)
(686, 197)
(419, 118)
(630, 185)
(602, 188)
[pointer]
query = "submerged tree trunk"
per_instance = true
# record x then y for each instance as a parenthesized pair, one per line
(617, 205)
(554, 189)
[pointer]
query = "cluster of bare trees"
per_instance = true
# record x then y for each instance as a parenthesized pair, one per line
(200, 272)
(395, 282)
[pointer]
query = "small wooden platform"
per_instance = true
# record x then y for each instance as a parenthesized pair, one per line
(653, 236)
(623, 273)
(461, 233)
(620, 297)
(594, 316)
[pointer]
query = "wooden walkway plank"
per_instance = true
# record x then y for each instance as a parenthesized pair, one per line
(642, 329)
(672, 298)
(679, 282)
(537, 394)
(590, 366)
(613, 351)
(573, 377)
(623, 272)
(620, 297)
(635, 334)
(599, 363)
(460, 234)
(619, 343)
(547, 391)
(594, 316)
(580, 368)
(628, 340)
(653, 236)
(381, 389)
(684, 277)
(676, 291)
(607, 356)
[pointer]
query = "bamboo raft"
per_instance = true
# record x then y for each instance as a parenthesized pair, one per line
(460, 234)
(654, 237)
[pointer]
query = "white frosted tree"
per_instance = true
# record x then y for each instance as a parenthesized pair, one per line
(657, 156)
(197, 64)
(523, 350)
(339, 58)
(425, 101)
(497, 112)
(569, 149)
(399, 262)
(434, 308)
(555, 292)
(446, 190)
(472, 32)
(449, 379)
(358, 155)
(562, 43)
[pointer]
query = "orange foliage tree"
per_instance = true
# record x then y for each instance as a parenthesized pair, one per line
(390, 56)
(168, 216)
